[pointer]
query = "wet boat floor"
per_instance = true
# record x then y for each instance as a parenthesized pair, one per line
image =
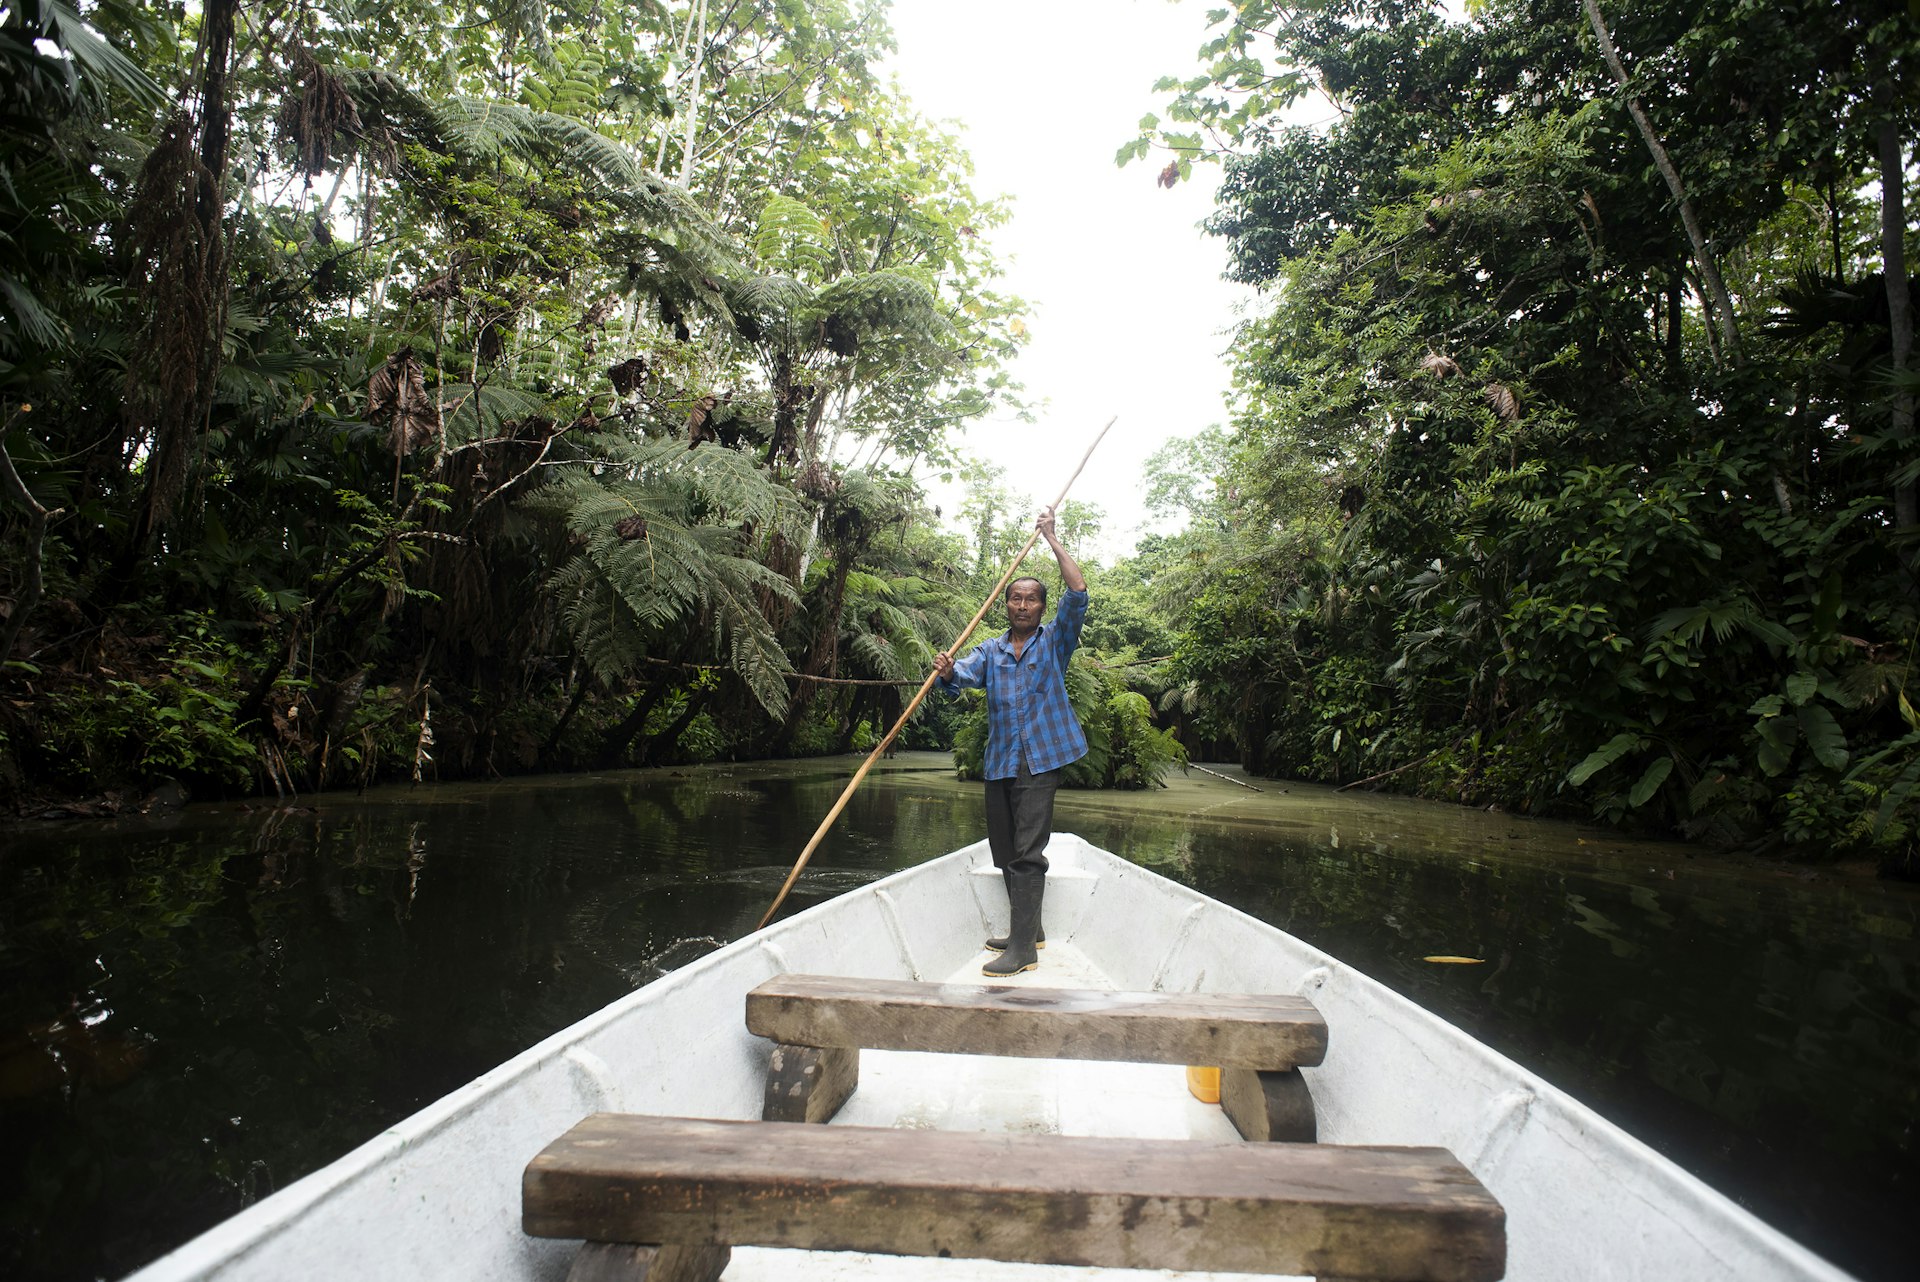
(1020, 1096)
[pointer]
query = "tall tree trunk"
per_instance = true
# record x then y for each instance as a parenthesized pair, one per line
(1675, 350)
(37, 518)
(581, 685)
(822, 657)
(632, 724)
(1703, 256)
(656, 749)
(680, 50)
(1893, 266)
(856, 706)
(693, 99)
(215, 124)
(181, 283)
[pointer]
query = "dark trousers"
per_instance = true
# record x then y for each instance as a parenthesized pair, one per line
(1020, 819)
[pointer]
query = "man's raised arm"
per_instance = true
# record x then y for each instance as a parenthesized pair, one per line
(1069, 568)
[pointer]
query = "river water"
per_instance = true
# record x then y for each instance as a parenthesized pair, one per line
(197, 1009)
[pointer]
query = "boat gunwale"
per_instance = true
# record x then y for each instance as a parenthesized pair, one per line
(1519, 1097)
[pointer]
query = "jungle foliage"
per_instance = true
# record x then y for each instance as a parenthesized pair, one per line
(1573, 463)
(428, 390)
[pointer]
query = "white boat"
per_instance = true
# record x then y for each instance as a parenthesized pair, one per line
(439, 1194)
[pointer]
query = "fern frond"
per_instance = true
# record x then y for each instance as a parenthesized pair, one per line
(480, 412)
(791, 239)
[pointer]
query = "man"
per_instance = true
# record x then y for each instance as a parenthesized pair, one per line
(1032, 735)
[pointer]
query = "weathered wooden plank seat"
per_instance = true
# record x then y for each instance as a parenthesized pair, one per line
(667, 1197)
(820, 1023)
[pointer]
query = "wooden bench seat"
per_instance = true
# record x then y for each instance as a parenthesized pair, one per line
(820, 1023)
(665, 1196)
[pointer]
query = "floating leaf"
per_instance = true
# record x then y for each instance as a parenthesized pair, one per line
(1457, 961)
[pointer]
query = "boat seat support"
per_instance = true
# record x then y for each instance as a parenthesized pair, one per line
(820, 1023)
(629, 1262)
(809, 1083)
(691, 1185)
(1268, 1105)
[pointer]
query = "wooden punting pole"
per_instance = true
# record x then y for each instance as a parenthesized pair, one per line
(860, 774)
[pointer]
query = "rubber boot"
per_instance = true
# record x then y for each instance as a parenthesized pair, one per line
(999, 944)
(1025, 890)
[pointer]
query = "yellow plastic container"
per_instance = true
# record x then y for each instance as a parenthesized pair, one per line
(1204, 1083)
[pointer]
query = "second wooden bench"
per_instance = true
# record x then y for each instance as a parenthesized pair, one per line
(820, 1024)
(661, 1198)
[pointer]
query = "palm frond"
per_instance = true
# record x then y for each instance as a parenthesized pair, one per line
(101, 67)
(22, 310)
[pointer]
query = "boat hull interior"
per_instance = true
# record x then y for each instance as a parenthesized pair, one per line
(438, 1194)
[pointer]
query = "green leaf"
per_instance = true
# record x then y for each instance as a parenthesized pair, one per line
(1907, 713)
(1897, 793)
(1605, 755)
(1770, 705)
(1777, 736)
(1824, 736)
(1800, 687)
(101, 65)
(1656, 774)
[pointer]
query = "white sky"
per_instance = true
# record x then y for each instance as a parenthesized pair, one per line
(1129, 312)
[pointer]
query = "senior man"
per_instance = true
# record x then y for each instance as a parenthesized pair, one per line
(1032, 735)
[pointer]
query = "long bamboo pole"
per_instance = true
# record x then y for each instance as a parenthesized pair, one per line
(820, 833)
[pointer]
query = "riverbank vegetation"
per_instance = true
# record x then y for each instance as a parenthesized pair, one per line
(1572, 465)
(449, 390)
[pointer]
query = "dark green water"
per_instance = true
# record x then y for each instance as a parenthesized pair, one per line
(196, 1011)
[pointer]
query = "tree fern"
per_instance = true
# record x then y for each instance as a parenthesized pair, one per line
(477, 412)
(790, 239)
(660, 547)
(570, 85)
(486, 130)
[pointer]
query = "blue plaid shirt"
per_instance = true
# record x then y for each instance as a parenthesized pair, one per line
(1027, 711)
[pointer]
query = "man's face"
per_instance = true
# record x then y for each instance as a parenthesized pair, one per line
(1024, 604)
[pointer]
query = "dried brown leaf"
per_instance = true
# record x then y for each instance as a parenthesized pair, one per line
(1504, 404)
(397, 396)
